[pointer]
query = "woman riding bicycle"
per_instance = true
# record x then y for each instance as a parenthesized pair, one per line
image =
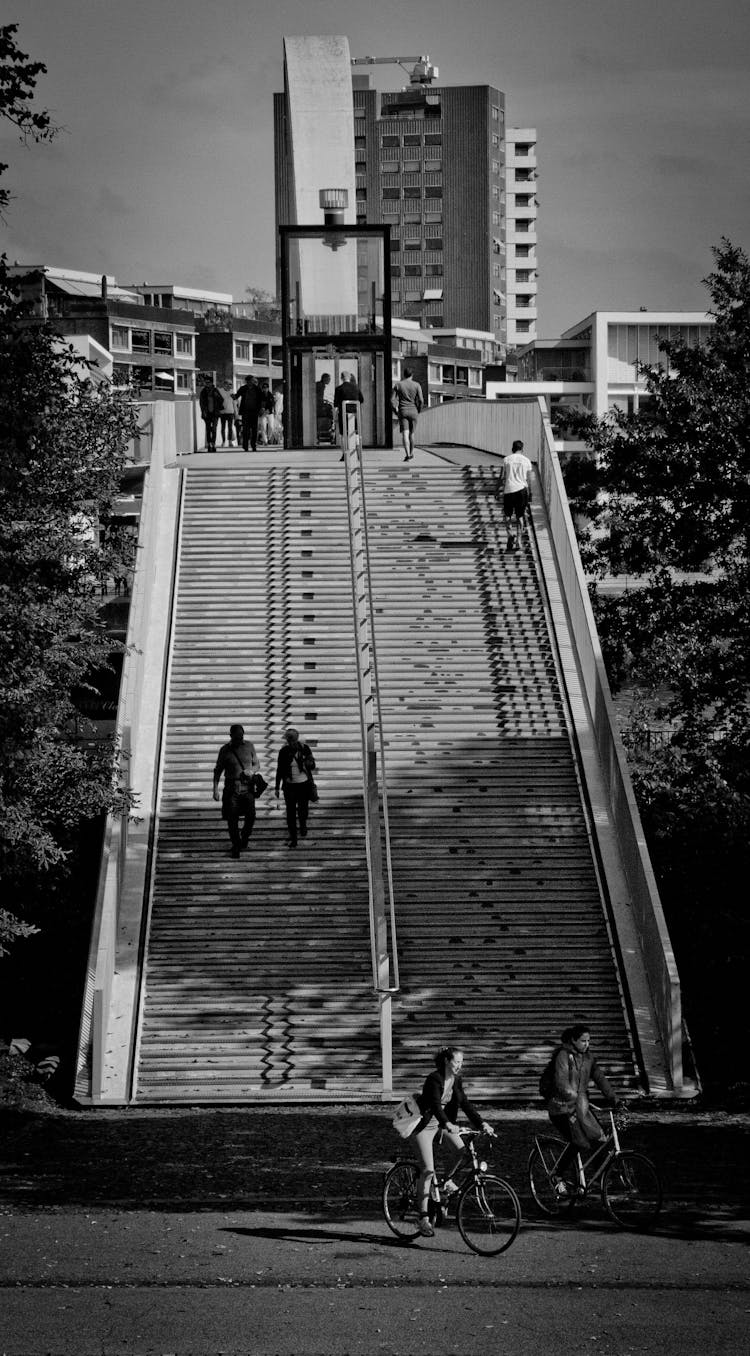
(573, 1067)
(440, 1101)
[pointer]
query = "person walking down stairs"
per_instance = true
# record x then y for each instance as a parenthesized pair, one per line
(294, 770)
(238, 762)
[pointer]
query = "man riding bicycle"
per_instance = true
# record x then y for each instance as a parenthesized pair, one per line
(573, 1067)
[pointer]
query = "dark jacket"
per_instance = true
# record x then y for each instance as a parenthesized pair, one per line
(573, 1072)
(348, 390)
(429, 1103)
(211, 402)
(249, 400)
(303, 757)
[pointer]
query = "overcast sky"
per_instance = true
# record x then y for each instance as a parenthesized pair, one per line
(164, 169)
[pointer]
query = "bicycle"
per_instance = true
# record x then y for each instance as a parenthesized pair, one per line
(630, 1186)
(488, 1212)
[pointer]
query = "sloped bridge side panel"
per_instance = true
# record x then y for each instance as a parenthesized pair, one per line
(107, 1028)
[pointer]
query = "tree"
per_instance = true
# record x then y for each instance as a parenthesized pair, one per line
(18, 77)
(62, 448)
(265, 306)
(666, 500)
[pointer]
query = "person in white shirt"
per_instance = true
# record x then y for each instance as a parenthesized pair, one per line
(516, 493)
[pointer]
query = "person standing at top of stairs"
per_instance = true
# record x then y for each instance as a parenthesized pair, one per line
(249, 405)
(238, 762)
(294, 770)
(516, 493)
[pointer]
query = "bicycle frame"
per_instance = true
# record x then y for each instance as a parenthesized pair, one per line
(608, 1148)
(463, 1173)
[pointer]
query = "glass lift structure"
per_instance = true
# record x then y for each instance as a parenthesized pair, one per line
(336, 322)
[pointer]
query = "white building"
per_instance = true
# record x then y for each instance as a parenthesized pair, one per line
(520, 235)
(593, 365)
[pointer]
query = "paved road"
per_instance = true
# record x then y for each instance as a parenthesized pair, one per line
(320, 1284)
(150, 1231)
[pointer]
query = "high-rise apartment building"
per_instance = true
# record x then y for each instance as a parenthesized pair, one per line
(520, 234)
(458, 190)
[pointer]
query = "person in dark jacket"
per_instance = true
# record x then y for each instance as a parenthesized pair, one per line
(249, 405)
(440, 1101)
(574, 1067)
(347, 391)
(211, 404)
(294, 770)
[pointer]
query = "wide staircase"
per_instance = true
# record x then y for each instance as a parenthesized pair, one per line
(257, 974)
(502, 934)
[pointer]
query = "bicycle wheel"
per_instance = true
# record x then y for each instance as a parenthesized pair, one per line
(488, 1215)
(400, 1205)
(631, 1191)
(544, 1180)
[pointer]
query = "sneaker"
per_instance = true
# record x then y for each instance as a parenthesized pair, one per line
(561, 1190)
(292, 842)
(425, 1228)
(303, 832)
(235, 852)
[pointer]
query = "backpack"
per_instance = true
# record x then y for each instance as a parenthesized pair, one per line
(547, 1077)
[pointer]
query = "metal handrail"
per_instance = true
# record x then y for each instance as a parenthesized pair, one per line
(383, 958)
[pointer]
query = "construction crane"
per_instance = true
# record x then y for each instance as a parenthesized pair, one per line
(419, 69)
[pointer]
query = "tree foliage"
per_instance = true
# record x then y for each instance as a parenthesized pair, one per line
(18, 78)
(265, 306)
(665, 499)
(62, 448)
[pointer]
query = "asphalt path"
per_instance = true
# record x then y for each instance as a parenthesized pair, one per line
(201, 1232)
(320, 1283)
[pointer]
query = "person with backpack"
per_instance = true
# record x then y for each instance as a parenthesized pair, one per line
(238, 762)
(564, 1086)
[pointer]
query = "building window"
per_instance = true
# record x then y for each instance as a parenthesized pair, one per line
(395, 270)
(433, 191)
(120, 374)
(434, 242)
(242, 351)
(389, 167)
(412, 140)
(395, 246)
(412, 270)
(412, 244)
(495, 142)
(449, 373)
(142, 377)
(389, 194)
(276, 355)
(496, 167)
(496, 270)
(498, 320)
(411, 166)
(119, 337)
(415, 192)
(522, 224)
(475, 376)
(433, 138)
(495, 113)
(141, 341)
(433, 218)
(434, 270)
(523, 199)
(496, 190)
(523, 148)
(164, 381)
(462, 376)
(360, 141)
(184, 381)
(496, 297)
(162, 342)
(523, 326)
(523, 275)
(523, 251)
(495, 218)
(433, 372)
(389, 141)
